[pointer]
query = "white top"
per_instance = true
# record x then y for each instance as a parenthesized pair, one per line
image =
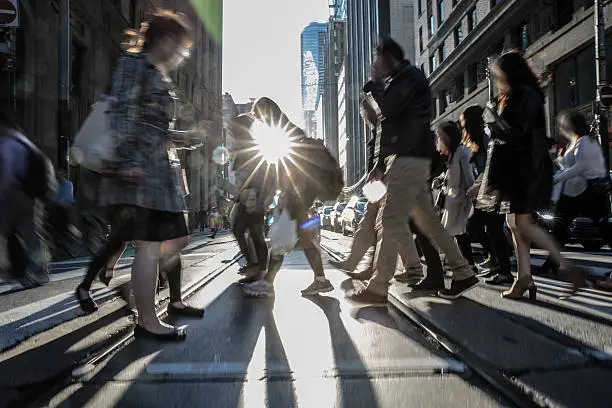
(458, 205)
(581, 162)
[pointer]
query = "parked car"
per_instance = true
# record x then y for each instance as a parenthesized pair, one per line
(352, 214)
(336, 217)
(325, 215)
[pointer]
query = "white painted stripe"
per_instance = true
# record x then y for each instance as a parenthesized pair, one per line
(348, 367)
(9, 12)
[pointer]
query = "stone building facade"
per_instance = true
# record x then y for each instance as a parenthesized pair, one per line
(29, 74)
(453, 39)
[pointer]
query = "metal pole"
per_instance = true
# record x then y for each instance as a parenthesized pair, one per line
(601, 76)
(64, 63)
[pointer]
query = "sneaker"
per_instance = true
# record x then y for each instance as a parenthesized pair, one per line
(318, 286)
(428, 285)
(488, 273)
(485, 264)
(342, 265)
(254, 277)
(458, 288)
(366, 296)
(409, 277)
(260, 288)
(500, 279)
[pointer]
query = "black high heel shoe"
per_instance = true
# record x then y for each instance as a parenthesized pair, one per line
(102, 276)
(178, 334)
(87, 303)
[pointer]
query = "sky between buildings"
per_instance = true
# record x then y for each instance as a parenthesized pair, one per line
(261, 49)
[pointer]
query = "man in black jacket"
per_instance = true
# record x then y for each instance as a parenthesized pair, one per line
(403, 152)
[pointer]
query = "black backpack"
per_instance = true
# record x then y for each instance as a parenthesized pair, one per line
(323, 173)
(39, 180)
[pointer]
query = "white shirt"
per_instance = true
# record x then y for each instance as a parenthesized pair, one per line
(583, 161)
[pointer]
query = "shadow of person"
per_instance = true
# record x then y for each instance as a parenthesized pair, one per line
(355, 386)
(280, 392)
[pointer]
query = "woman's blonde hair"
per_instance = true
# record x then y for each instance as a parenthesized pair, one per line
(163, 23)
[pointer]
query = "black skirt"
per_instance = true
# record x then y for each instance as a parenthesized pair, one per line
(131, 223)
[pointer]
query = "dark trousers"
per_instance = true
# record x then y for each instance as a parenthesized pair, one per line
(432, 257)
(488, 229)
(254, 224)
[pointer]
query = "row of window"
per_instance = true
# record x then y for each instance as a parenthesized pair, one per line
(546, 17)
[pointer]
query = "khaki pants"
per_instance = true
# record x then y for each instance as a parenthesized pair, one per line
(365, 237)
(408, 197)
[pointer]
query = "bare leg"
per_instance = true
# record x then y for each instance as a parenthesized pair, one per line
(144, 281)
(522, 247)
(170, 261)
(533, 233)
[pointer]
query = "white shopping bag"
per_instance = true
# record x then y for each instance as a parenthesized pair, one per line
(283, 233)
(94, 143)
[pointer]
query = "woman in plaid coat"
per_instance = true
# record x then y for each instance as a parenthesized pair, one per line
(146, 203)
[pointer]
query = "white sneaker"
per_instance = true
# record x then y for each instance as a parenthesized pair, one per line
(260, 288)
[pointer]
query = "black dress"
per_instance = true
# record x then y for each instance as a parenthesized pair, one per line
(522, 169)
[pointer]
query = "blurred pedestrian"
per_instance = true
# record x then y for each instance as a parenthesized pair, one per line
(583, 170)
(405, 139)
(521, 170)
(27, 184)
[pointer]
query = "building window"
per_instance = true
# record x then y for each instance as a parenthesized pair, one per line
(564, 12)
(458, 35)
(432, 64)
(434, 107)
(423, 68)
(432, 25)
(495, 3)
(523, 34)
(440, 12)
(472, 77)
(472, 19)
(458, 88)
(420, 6)
(420, 39)
(443, 101)
(441, 56)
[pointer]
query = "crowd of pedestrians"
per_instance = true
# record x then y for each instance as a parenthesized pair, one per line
(494, 168)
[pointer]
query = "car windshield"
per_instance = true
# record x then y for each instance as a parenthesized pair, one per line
(360, 206)
(327, 211)
(340, 207)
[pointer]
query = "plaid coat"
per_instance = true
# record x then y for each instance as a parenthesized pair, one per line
(141, 114)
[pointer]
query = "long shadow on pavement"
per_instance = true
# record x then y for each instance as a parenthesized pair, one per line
(227, 336)
(36, 368)
(354, 393)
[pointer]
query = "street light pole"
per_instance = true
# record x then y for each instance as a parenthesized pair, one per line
(601, 112)
(64, 63)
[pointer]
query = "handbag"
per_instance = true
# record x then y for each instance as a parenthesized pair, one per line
(283, 233)
(95, 144)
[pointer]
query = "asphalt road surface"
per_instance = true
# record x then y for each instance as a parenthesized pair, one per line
(322, 351)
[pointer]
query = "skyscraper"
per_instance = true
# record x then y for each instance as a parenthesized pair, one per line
(313, 71)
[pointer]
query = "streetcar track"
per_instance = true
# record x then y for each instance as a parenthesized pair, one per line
(489, 373)
(42, 390)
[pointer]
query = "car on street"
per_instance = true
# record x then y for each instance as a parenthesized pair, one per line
(352, 214)
(325, 215)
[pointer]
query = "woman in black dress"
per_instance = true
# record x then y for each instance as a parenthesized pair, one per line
(521, 170)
